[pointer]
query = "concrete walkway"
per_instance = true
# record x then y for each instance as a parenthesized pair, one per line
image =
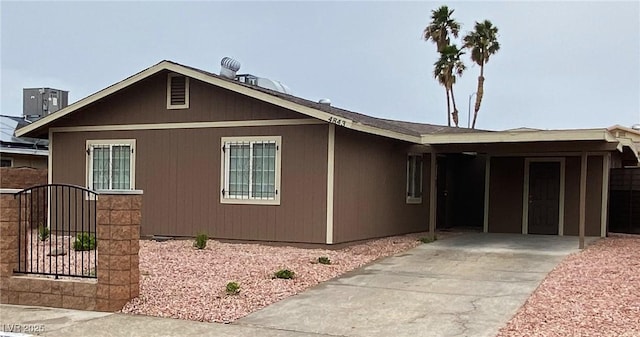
(466, 285)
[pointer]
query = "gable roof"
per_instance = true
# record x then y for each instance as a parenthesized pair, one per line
(406, 131)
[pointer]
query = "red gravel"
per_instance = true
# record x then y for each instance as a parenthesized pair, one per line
(595, 292)
(180, 281)
(37, 259)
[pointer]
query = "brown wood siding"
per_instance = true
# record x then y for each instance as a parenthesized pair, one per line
(572, 196)
(505, 194)
(146, 102)
(594, 196)
(179, 172)
(370, 188)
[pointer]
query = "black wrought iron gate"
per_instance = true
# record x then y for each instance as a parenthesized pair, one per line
(57, 225)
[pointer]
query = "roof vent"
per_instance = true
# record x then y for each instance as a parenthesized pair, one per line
(636, 127)
(325, 101)
(229, 67)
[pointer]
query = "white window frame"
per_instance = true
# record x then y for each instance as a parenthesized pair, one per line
(412, 199)
(224, 176)
(111, 142)
(186, 92)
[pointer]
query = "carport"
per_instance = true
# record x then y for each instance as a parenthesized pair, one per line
(553, 182)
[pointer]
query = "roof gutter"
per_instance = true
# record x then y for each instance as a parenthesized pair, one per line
(33, 152)
(520, 137)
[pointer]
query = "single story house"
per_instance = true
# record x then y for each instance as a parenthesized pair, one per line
(238, 161)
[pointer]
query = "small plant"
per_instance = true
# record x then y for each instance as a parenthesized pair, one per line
(427, 239)
(233, 288)
(43, 233)
(84, 241)
(284, 274)
(324, 260)
(201, 241)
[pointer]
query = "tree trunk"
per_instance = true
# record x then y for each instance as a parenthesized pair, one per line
(479, 94)
(448, 106)
(454, 114)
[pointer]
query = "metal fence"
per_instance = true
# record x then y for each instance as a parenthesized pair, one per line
(57, 226)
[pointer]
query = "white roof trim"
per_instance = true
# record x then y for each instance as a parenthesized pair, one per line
(631, 145)
(165, 65)
(519, 136)
(624, 132)
(16, 150)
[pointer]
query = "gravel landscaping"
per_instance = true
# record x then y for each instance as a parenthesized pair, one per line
(55, 255)
(595, 292)
(180, 281)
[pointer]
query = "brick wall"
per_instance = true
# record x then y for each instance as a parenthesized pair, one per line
(119, 242)
(118, 275)
(22, 177)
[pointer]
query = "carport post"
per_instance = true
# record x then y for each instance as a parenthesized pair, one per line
(432, 195)
(583, 198)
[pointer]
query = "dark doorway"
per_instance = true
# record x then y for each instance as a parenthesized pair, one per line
(624, 200)
(460, 191)
(444, 182)
(544, 197)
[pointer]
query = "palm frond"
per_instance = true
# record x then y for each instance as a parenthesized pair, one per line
(441, 27)
(482, 41)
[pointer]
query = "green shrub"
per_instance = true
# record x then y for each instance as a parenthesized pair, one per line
(201, 241)
(324, 260)
(426, 239)
(43, 233)
(284, 274)
(84, 241)
(233, 288)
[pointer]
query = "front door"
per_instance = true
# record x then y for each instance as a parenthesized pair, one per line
(544, 197)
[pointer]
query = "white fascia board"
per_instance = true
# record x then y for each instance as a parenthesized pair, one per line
(32, 152)
(631, 145)
(630, 133)
(518, 137)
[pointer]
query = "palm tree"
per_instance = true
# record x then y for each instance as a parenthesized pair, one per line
(442, 26)
(448, 66)
(483, 42)
(439, 31)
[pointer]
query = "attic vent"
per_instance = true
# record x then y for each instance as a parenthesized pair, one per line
(177, 92)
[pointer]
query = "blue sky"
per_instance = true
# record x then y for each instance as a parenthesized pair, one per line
(561, 65)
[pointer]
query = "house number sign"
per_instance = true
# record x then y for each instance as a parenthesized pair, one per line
(338, 121)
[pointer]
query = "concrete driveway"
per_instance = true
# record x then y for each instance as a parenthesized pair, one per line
(466, 285)
(469, 284)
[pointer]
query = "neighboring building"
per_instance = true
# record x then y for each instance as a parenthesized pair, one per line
(217, 155)
(20, 151)
(40, 102)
